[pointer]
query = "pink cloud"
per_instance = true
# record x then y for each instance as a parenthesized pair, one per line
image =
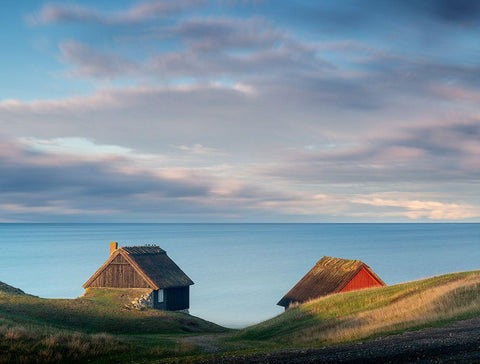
(416, 209)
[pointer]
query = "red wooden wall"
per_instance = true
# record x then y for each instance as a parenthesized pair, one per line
(362, 280)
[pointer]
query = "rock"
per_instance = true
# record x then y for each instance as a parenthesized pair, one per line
(144, 301)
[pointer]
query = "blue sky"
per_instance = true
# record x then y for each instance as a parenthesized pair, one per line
(231, 110)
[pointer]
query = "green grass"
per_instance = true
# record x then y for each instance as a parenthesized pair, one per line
(373, 312)
(101, 310)
(102, 326)
(30, 342)
(5, 288)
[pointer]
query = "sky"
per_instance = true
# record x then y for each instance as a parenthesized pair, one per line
(240, 111)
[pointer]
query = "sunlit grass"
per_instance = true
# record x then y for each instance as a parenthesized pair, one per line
(368, 313)
(102, 326)
(102, 310)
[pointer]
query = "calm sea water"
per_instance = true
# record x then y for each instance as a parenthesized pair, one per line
(240, 270)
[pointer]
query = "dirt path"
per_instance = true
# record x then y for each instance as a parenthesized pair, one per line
(206, 342)
(457, 343)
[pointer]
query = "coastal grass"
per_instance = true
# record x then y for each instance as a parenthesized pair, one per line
(36, 343)
(101, 326)
(101, 310)
(369, 313)
(25, 343)
(5, 288)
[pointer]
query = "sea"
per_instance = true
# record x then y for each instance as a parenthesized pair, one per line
(240, 270)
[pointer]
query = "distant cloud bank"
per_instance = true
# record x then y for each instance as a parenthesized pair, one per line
(198, 110)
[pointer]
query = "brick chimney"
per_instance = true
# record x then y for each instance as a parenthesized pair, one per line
(113, 247)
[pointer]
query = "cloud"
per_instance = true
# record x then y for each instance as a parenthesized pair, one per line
(368, 15)
(285, 58)
(409, 155)
(217, 34)
(84, 148)
(74, 178)
(114, 97)
(456, 93)
(199, 149)
(229, 113)
(212, 49)
(54, 207)
(253, 50)
(305, 204)
(141, 116)
(39, 178)
(452, 11)
(142, 12)
(417, 209)
(88, 62)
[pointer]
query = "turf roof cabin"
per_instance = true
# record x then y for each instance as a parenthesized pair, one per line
(331, 275)
(145, 267)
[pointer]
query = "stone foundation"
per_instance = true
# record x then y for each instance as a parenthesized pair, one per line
(143, 301)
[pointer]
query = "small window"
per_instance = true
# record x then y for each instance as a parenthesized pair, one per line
(160, 295)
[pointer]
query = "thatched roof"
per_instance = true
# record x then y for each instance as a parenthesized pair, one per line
(328, 276)
(143, 250)
(157, 266)
(152, 263)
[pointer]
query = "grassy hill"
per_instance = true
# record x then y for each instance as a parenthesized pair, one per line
(97, 326)
(101, 310)
(5, 288)
(102, 326)
(373, 312)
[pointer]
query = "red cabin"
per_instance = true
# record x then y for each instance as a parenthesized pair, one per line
(332, 275)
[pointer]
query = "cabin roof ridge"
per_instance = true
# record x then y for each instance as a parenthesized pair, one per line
(142, 249)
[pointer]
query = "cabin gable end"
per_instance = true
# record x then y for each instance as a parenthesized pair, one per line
(118, 272)
(361, 280)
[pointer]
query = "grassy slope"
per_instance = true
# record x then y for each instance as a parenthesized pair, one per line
(70, 330)
(5, 288)
(373, 312)
(97, 326)
(101, 311)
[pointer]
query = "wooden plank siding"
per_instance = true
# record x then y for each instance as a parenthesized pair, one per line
(178, 298)
(144, 267)
(174, 299)
(119, 274)
(362, 280)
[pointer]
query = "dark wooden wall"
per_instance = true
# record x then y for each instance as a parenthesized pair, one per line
(159, 305)
(362, 280)
(119, 274)
(177, 298)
